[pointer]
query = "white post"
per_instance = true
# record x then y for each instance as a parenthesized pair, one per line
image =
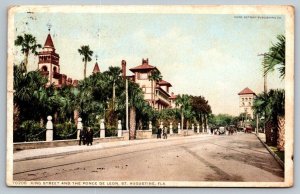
(119, 128)
(150, 125)
(179, 128)
(193, 128)
(171, 128)
(79, 127)
(198, 128)
(102, 129)
(49, 127)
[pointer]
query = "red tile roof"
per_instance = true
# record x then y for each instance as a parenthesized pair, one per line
(145, 66)
(246, 91)
(96, 68)
(49, 42)
(164, 83)
(142, 67)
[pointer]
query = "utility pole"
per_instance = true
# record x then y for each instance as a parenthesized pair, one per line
(126, 91)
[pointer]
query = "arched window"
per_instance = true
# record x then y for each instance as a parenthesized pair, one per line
(44, 68)
(55, 69)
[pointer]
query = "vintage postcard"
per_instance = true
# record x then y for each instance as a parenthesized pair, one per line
(150, 96)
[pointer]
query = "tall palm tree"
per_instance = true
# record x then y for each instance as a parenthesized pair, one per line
(136, 102)
(275, 57)
(183, 101)
(114, 76)
(28, 45)
(87, 56)
(154, 77)
(271, 105)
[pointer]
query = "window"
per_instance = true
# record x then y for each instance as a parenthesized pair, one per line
(143, 75)
(144, 88)
(44, 68)
(55, 69)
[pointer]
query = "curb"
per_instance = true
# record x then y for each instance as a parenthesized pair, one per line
(123, 144)
(279, 161)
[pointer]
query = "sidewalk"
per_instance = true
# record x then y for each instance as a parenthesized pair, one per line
(262, 138)
(57, 151)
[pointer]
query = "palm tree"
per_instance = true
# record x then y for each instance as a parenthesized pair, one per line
(271, 105)
(114, 76)
(136, 102)
(154, 77)
(87, 54)
(275, 57)
(183, 101)
(28, 45)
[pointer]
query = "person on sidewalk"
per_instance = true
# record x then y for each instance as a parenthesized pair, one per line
(159, 133)
(165, 134)
(82, 137)
(89, 136)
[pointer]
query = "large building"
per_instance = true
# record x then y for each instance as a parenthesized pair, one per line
(246, 102)
(157, 93)
(49, 65)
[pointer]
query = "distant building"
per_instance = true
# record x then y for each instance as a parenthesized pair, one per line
(96, 68)
(49, 65)
(246, 102)
(156, 92)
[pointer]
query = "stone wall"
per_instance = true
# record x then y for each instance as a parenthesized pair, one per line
(143, 134)
(61, 143)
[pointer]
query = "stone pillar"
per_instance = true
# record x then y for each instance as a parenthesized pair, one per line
(171, 128)
(198, 128)
(193, 128)
(102, 129)
(49, 127)
(150, 125)
(119, 128)
(79, 127)
(179, 128)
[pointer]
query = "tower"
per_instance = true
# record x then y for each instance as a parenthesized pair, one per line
(246, 102)
(49, 62)
(96, 67)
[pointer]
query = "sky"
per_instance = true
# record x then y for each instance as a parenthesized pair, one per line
(215, 56)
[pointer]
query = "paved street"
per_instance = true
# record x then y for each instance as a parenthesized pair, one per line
(239, 157)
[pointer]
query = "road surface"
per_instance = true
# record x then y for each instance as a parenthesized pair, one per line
(240, 157)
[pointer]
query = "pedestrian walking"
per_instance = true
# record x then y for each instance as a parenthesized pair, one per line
(82, 137)
(165, 133)
(159, 133)
(89, 136)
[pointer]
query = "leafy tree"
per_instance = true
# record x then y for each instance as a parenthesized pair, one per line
(28, 45)
(87, 54)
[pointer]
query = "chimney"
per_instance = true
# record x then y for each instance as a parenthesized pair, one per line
(145, 61)
(123, 69)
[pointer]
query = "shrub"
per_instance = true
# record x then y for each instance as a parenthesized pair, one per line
(65, 130)
(30, 131)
